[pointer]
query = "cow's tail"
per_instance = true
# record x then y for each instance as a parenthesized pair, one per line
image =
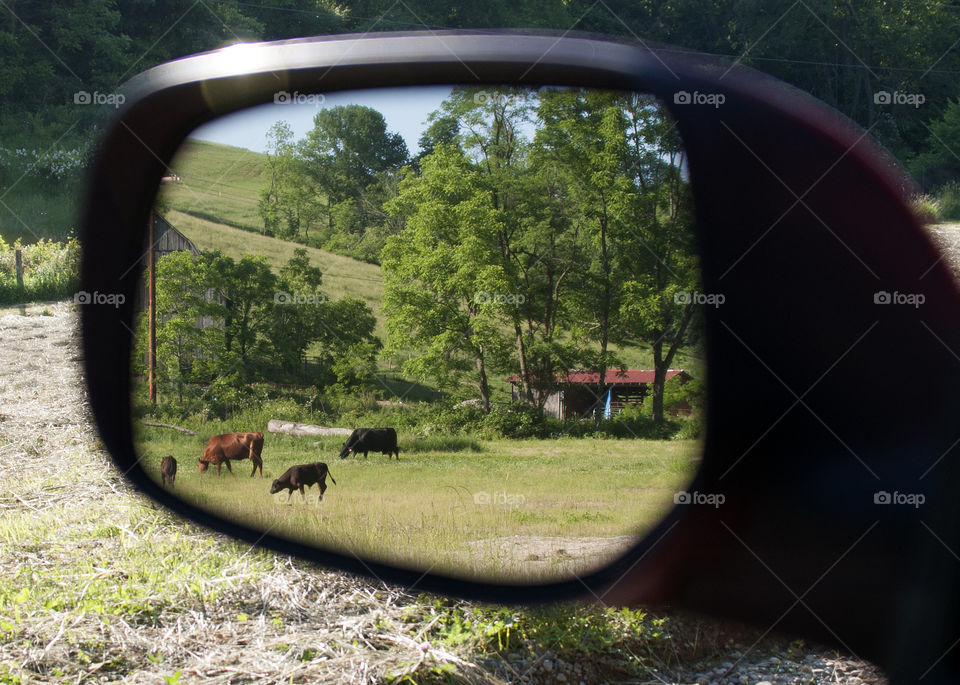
(331, 476)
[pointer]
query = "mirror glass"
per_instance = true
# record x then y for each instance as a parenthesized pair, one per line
(473, 314)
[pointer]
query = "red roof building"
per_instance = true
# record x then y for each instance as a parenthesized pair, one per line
(580, 392)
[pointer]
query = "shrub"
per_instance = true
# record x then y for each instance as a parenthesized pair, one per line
(515, 420)
(948, 201)
(50, 270)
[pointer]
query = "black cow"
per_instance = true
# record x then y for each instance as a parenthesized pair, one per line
(296, 477)
(383, 440)
(168, 470)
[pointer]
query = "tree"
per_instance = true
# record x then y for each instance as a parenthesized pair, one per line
(248, 288)
(288, 204)
(435, 269)
(658, 261)
(302, 317)
(184, 347)
(623, 163)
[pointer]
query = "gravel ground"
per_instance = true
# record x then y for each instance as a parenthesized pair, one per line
(207, 610)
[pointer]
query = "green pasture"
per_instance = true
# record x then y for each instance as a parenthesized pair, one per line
(537, 508)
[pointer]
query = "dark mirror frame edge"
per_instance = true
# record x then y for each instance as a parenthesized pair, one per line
(168, 102)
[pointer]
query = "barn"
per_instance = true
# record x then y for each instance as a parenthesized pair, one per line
(580, 392)
(166, 240)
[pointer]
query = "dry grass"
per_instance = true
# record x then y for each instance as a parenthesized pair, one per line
(97, 584)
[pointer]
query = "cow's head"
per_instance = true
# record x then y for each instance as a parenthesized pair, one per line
(202, 466)
(276, 487)
(345, 451)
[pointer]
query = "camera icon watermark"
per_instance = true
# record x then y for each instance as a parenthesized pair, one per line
(84, 97)
(912, 499)
(282, 297)
(112, 299)
(692, 297)
(511, 299)
(910, 299)
(683, 97)
(283, 97)
(710, 499)
(885, 97)
(500, 497)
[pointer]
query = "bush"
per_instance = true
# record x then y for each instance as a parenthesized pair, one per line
(50, 270)
(948, 201)
(515, 420)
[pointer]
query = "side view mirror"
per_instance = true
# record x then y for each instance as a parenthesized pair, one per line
(835, 516)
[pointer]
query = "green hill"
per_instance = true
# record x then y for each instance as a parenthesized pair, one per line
(215, 205)
(217, 182)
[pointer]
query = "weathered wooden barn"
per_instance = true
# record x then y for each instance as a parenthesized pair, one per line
(166, 240)
(580, 392)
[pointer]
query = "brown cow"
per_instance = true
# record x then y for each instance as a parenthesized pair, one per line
(223, 448)
(168, 470)
(303, 475)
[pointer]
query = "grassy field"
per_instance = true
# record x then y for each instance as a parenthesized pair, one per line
(341, 275)
(537, 508)
(220, 182)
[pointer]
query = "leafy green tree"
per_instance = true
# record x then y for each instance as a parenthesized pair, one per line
(434, 270)
(941, 162)
(185, 346)
(247, 288)
(302, 318)
(289, 203)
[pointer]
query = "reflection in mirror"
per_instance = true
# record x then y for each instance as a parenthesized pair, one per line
(499, 283)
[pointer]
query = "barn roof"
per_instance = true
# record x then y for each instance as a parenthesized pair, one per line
(613, 376)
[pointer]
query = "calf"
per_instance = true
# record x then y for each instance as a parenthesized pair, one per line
(303, 475)
(383, 440)
(168, 470)
(221, 449)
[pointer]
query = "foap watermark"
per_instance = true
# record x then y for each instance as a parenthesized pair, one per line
(885, 97)
(911, 499)
(499, 497)
(283, 297)
(711, 499)
(85, 97)
(512, 299)
(283, 97)
(911, 299)
(493, 97)
(683, 97)
(708, 299)
(96, 297)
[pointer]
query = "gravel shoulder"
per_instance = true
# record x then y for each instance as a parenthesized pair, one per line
(97, 584)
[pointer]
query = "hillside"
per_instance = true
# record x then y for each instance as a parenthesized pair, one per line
(215, 205)
(218, 182)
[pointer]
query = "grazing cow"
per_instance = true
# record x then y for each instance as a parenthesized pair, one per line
(168, 470)
(223, 448)
(383, 440)
(303, 475)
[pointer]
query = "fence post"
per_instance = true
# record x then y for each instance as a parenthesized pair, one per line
(18, 258)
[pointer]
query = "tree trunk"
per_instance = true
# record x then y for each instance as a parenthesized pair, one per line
(659, 379)
(484, 386)
(526, 393)
(604, 319)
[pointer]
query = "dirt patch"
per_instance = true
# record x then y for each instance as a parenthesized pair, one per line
(542, 556)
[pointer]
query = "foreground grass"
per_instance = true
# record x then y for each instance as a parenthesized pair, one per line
(98, 584)
(506, 508)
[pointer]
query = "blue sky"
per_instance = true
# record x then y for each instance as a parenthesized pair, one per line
(405, 111)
